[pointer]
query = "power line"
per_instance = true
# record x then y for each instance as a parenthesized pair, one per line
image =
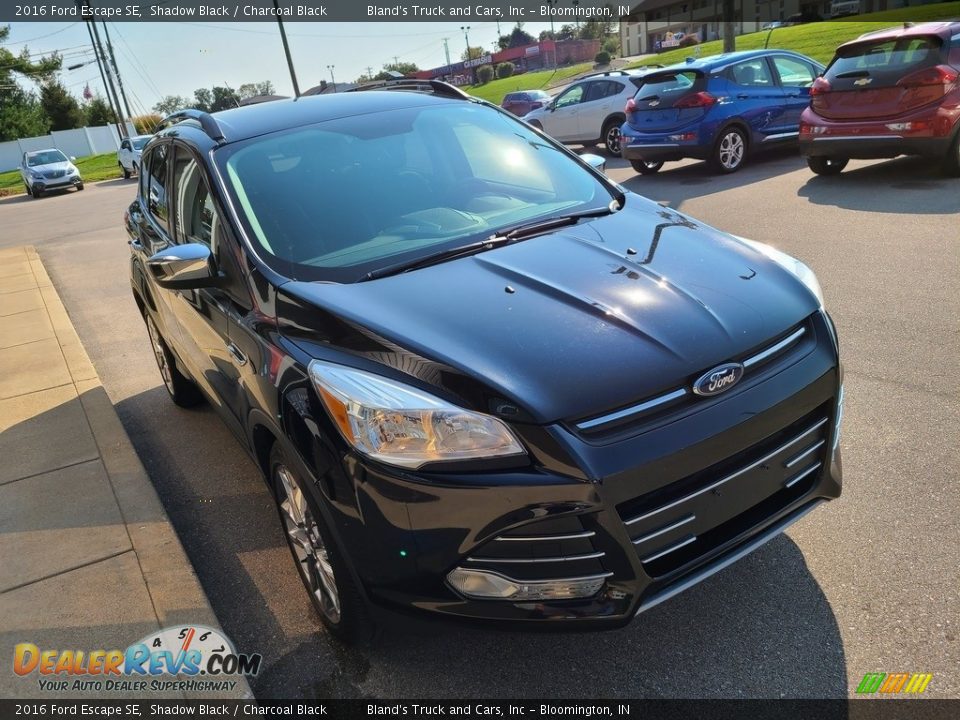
(135, 62)
(41, 37)
(316, 35)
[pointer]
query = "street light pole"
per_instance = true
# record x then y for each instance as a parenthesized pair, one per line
(332, 78)
(286, 50)
(466, 37)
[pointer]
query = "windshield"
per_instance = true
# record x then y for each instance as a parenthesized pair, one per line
(339, 199)
(138, 143)
(45, 157)
(886, 61)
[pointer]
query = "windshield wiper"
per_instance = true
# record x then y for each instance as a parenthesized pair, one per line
(505, 236)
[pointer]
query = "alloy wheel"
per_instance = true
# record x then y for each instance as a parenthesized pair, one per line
(612, 140)
(160, 353)
(313, 560)
(731, 150)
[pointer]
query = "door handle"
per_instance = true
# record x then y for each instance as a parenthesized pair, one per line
(237, 354)
(742, 96)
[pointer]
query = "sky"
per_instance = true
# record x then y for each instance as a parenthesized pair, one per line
(164, 58)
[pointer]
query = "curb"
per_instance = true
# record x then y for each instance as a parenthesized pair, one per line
(172, 584)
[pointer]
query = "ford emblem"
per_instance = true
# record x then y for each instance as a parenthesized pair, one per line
(718, 380)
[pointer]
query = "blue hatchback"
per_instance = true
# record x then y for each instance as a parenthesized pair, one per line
(719, 109)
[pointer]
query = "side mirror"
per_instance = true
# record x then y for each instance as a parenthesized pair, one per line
(597, 162)
(183, 267)
(72, 158)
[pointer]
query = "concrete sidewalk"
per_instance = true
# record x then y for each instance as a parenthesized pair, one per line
(88, 558)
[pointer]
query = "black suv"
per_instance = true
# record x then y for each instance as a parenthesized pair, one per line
(482, 380)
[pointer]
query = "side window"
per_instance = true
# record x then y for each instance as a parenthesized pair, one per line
(125, 145)
(614, 88)
(196, 218)
(157, 202)
(793, 73)
(572, 96)
(751, 73)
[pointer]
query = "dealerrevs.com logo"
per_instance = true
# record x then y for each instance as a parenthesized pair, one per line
(205, 656)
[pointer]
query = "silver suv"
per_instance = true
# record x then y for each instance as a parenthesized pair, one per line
(590, 111)
(50, 169)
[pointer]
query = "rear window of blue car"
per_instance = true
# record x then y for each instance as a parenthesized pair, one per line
(669, 87)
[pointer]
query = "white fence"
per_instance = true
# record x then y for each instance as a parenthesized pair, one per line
(78, 143)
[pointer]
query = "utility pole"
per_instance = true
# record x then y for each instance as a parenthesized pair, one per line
(332, 78)
(729, 29)
(112, 100)
(466, 38)
(286, 51)
(116, 70)
(446, 49)
(369, 73)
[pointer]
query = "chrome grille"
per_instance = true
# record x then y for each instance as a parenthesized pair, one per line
(51, 174)
(677, 398)
(679, 523)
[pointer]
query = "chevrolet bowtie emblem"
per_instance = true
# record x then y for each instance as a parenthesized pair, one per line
(863, 81)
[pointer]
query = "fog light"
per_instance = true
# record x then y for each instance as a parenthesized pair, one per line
(836, 432)
(485, 585)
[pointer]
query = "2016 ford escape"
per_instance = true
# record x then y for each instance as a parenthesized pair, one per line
(482, 380)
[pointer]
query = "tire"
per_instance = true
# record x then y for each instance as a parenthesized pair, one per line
(135, 170)
(319, 563)
(79, 186)
(951, 163)
(126, 173)
(182, 391)
(611, 137)
(36, 193)
(827, 165)
(729, 151)
(646, 168)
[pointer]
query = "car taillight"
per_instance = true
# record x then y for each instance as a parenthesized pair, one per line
(699, 99)
(936, 75)
(630, 106)
(820, 86)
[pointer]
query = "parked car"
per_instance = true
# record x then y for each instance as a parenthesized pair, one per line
(589, 111)
(50, 169)
(508, 390)
(720, 109)
(128, 156)
(523, 101)
(888, 93)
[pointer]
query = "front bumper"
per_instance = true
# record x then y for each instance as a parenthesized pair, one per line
(56, 183)
(653, 511)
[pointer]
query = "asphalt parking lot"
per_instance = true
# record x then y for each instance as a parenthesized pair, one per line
(868, 583)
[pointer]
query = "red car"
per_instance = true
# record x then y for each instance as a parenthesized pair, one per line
(522, 102)
(887, 93)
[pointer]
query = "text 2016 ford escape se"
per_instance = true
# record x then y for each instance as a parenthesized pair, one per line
(483, 381)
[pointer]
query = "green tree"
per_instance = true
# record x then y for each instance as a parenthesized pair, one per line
(598, 27)
(223, 98)
(12, 65)
(404, 68)
(484, 74)
(505, 69)
(249, 90)
(21, 115)
(170, 104)
(520, 37)
(472, 53)
(202, 99)
(99, 112)
(61, 107)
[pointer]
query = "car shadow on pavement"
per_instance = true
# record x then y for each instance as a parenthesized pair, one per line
(118, 182)
(14, 199)
(892, 186)
(688, 179)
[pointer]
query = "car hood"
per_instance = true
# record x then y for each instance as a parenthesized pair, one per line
(50, 167)
(575, 322)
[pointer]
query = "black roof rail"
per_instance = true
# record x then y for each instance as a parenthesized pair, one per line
(207, 122)
(437, 87)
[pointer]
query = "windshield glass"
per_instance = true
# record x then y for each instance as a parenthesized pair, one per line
(45, 158)
(336, 200)
(138, 143)
(885, 62)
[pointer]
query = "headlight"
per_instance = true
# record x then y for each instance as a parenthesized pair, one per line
(800, 269)
(404, 426)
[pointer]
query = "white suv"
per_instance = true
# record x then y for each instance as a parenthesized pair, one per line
(128, 156)
(590, 110)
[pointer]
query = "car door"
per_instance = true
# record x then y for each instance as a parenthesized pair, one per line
(600, 101)
(796, 77)
(207, 316)
(562, 122)
(757, 97)
(151, 217)
(124, 154)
